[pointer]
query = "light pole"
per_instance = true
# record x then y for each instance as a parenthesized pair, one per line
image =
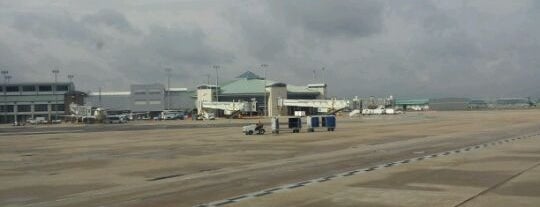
(168, 70)
(8, 77)
(70, 78)
(5, 74)
(55, 72)
(264, 66)
(207, 79)
(323, 75)
(217, 67)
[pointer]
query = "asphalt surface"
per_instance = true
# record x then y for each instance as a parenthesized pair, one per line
(224, 163)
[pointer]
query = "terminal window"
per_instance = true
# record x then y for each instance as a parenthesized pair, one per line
(155, 102)
(29, 88)
(23, 108)
(12, 89)
(45, 88)
(9, 108)
(40, 107)
(62, 88)
(58, 107)
(140, 103)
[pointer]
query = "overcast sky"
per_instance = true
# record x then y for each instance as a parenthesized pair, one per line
(413, 48)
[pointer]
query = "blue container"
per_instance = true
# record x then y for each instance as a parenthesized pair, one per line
(314, 121)
(323, 121)
(330, 123)
(295, 123)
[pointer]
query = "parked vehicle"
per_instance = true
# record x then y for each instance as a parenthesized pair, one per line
(172, 115)
(37, 120)
(115, 120)
(253, 128)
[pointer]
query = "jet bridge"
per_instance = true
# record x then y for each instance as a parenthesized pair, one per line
(231, 109)
(330, 106)
(86, 114)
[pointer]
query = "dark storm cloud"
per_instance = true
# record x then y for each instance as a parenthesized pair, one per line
(105, 45)
(47, 25)
(262, 35)
(70, 29)
(416, 48)
(109, 18)
(182, 46)
(352, 18)
(181, 49)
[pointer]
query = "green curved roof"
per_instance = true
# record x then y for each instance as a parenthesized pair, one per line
(255, 86)
(244, 86)
(249, 75)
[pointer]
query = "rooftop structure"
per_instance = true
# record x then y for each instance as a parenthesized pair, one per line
(23, 101)
(248, 87)
(143, 98)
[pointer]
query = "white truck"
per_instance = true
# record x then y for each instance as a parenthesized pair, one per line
(37, 120)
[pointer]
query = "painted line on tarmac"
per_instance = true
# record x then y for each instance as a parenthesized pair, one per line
(301, 184)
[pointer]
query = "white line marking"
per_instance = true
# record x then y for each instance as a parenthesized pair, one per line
(301, 184)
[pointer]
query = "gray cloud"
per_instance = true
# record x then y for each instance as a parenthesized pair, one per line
(417, 48)
(109, 18)
(350, 18)
(48, 26)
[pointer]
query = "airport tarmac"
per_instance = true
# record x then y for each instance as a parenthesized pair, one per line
(497, 174)
(186, 166)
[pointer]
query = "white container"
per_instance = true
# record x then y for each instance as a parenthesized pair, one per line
(300, 113)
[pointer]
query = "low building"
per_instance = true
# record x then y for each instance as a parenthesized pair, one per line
(114, 102)
(412, 104)
(147, 99)
(251, 87)
(513, 103)
(23, 101)
(478, 104)
(449, 104)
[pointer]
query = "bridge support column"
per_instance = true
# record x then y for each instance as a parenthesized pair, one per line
(276, 91)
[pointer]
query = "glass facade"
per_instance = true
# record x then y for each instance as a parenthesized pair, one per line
(41, 107)
(12, 88)
(28, 88)
(24, 108)
(26, 100)
(45, 88)
(62, 88)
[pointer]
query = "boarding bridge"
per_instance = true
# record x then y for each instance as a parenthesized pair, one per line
(330, 106)
(229, 108)
(80, 113)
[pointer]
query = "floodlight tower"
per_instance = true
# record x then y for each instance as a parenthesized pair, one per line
(55, 72)
(264, 66)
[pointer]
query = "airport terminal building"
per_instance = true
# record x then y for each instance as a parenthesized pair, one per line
(144, 99)
(251, 87)
(151, 99)
(23, 101)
